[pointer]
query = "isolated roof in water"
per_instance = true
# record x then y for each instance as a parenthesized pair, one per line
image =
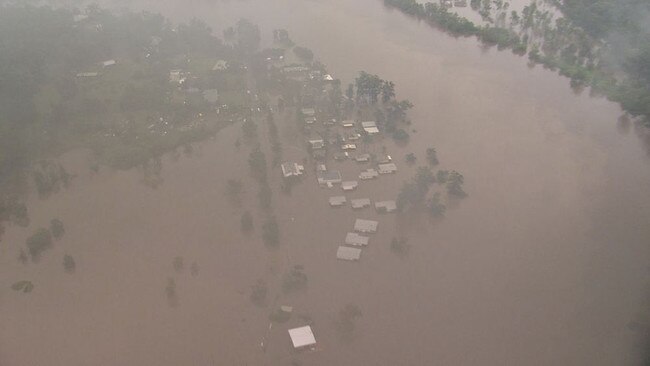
(337, 200)
(365, 226)
(360, 202)
(388, 206)
(348, 254)
(301, 337)
(356, 239)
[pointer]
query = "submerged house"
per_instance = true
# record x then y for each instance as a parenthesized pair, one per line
(109, 63)
(360, 202)
(328, 177)
(348, 254)
(356, 240)
(368, 174)
(386, 206)
(370, 127)
(316, 144)
(365, 226)
(337, 201)
(387, 168)
(292, 169)
(302, 337)
(349, 185)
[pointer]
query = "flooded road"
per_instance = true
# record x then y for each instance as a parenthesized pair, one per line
(544, 263)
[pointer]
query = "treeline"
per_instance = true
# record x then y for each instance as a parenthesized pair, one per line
(577, 46)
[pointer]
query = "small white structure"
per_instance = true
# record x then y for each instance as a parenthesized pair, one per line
(328, 77)
(387, 168)
(360, 203)
(79, 18)
(302, 337)
(370, 127)
(386, 206)
(356, 240)
(337, 201)
(348, 254)
(176, 76)
(368, 174)
(349, 185)
(109, 63)
(348, 123)
(349, 147)
(292, 169)
(365, 226)
(87, 74)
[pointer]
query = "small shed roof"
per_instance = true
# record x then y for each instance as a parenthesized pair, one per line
(365, 226)
(348, 254)
(387, 168)
(301, 337)
(356, 239)
(369, 124)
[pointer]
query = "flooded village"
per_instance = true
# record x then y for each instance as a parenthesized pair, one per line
(333, 184)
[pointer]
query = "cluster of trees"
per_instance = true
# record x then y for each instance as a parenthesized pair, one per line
(601, 44)
(413, 193)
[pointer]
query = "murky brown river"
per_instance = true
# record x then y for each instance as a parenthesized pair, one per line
(544, 263)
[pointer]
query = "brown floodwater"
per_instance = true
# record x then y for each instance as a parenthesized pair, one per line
(544, 263)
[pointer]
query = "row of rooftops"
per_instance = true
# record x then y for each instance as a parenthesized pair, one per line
(386, 206)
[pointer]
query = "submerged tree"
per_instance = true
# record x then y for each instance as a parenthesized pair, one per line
(170, 292)
(432, 157)
(271, 232)
(39, 242)
(246, 222)
(400, 246)
(294, 280)
(69, 264)
(178, 264)
(436, 207)
(345, 321)
(455, 184)
(258, 293)
(57, 229)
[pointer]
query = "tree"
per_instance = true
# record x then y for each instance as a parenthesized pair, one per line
(455, 184)
(259, 292)
(432, 156)
(234, 188)
(246, 222)
(304, 53)
(39, 242)
(271, 232)
(178, 264)
(387, 91)
(399, 246)
(294, 280)
(401, 135)
(170, 292)
(346, 318)
(69, 264)
(436, 207)
(442, 176)
(411, 158)
(56, 227)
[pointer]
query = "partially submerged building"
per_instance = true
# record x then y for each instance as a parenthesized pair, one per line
(387, 168)
(316, 144)
(386, 206)
(365, 226)
(302, 337)
(336, 201)
(292, 169)
(328, 177)
(109, 63)
(356, 240)
(348, 254)
(363, 158)
(370, 127)
(360, 203)
(368, 174)
(349, 185)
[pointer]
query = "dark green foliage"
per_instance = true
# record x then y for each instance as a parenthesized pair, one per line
(57, 229)
(69, 264)
(271, 232)
(346, 318)
(455, 184)
(170, 292)
(178, 264)
(39, 242)
(432, 156)
(401, 135)
(442, 176)
(294, 280)
(436, 207)
(400, 246)
(246, 222)
(411, 158)
(24, 286)
(259, 292)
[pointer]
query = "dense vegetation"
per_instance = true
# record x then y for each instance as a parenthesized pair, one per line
(602, 44)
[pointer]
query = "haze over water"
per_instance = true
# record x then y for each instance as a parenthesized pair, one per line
(544, 263)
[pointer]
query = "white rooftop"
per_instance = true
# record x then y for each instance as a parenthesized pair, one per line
(349, 185)
(356, 239)
(365, 226)
(337, 201)
(348, 254)
(360, 202)
(387, 168)
(301, 337)
(386, 206)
